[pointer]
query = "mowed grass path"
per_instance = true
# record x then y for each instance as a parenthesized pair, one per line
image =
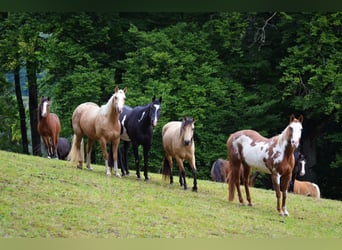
(52, 199)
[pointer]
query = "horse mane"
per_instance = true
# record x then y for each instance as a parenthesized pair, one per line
(186, 122)
(105, 108)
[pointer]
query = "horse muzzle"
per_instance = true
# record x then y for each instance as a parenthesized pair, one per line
(187, 142)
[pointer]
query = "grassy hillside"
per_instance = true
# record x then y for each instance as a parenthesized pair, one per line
(50, 198)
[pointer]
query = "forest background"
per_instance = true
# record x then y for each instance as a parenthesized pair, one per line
(230, 71)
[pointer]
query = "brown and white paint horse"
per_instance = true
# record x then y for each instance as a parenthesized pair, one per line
(98, 123)
(273, 156)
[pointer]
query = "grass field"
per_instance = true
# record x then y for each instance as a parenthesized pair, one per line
(41, 198)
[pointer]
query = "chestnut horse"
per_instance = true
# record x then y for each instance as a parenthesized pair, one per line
(48, 127)
(98, 123)
(178, 143)
(273, 156)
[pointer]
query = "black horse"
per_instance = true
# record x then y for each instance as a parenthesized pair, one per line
(137, 128)
(63, 148)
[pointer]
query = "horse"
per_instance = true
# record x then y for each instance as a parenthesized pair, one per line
(306, 188)
(98, 123)
(273, 156)
(63, 148)
(299, 168)
(137, 126)
(178, 143)
(219, 170)
(48, 127)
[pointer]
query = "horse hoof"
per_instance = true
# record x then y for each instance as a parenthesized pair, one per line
(138, 179)
(250, 204)
(118, 175)
(194, 189)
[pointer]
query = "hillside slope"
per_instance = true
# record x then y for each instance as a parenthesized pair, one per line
(49, 198)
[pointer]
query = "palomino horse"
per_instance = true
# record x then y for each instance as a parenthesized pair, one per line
(306, 188)
(48, 127)
(273, 156)
(137, 127)
(178, 143)
(98, 123)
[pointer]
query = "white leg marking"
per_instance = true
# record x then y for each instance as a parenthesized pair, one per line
(117, 174)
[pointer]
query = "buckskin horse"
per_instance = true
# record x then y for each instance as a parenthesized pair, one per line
(48, 127)
(178, 143)
(273, 156)
(98, 123)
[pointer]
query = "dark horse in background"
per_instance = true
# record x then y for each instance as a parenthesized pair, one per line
(137, 128)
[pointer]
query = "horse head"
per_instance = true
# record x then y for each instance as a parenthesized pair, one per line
(154, 112)
(44, 107)
(119, 99)
(187, 130)
(296, 130)
(300, 164)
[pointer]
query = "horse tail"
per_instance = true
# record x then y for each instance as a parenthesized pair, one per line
(318, 192)
(215, 172)
(74, 153)
(166, 171)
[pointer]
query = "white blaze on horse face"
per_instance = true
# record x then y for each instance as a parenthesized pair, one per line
(155, 119)
(254, 153)
(296, 133)
(120, 98)
(302, 169)
(45, 109)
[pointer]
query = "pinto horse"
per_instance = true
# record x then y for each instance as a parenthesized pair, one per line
(48, 127)
(98, 123)
(273, 156)
(137, 128)
(178, 143)
(299, 169)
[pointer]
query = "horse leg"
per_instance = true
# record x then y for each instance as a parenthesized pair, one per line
(285, 180)
(88, 152)
(124, 158)
(170, 162)
(105, 156)
(194, 173)
(115, 147)
(246, 173)
(146, 150)
(276, 185)
(181, 173)
(136, 156)
(47, 146)
(236, 176)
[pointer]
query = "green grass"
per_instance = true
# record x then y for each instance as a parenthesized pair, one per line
(52, 199)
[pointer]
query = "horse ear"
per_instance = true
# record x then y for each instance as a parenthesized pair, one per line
(116, 88)
(48, 98)
(153, 98)
(125, 90)
(292, 117)
(301, 118)
(160, 99)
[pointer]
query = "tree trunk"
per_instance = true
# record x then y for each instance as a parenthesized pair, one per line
(31, 67)
(21, 110)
